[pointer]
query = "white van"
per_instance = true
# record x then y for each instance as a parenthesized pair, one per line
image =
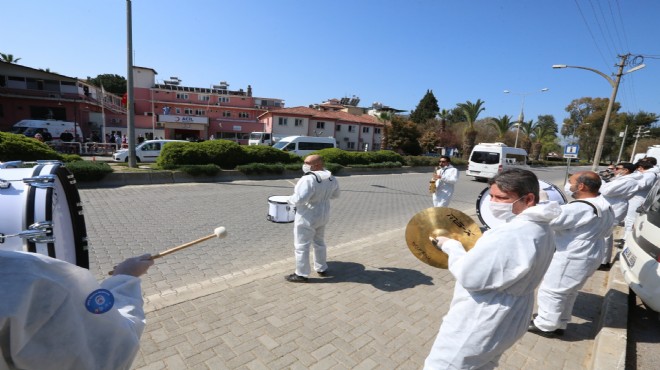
(489, 159)
(264, 138)
(50, 130)
(303, 145)
(148, 151)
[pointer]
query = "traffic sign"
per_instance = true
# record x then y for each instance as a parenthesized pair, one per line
(571, 151)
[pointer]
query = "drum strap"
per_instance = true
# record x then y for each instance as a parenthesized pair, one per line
(596, 210)
(317, 177)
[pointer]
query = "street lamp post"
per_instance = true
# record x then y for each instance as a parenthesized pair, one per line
(521, 118)
(615, 88)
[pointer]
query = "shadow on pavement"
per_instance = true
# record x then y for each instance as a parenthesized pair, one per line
(389, 279)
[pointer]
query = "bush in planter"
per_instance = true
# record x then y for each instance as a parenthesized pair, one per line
(223, 153)
(88, 171)
(267, 154)
(15, 147)
(200, 169)
(261, 168)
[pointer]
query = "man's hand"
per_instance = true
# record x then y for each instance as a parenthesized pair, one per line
(134, 266)
(438, 241)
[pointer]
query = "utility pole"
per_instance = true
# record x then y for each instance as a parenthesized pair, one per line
(130, 99)
(623, 141)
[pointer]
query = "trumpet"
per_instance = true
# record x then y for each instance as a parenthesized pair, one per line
(439, 221)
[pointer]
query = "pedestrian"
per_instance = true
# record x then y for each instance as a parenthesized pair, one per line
(311, 197)
(38, 137)
(55, 315)
(445, 177)
(618, 192)
(46, 135)
(495, 281)
(644, 185)
(580, 233)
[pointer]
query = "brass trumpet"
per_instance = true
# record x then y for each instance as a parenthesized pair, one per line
(439, 221)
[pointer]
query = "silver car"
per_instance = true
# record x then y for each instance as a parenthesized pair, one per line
(640, 259)
(145, 152)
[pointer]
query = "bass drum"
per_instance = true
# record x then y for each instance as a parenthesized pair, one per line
(42, 212)
(489, 221)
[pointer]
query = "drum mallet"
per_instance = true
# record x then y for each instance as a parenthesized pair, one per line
(219, 232)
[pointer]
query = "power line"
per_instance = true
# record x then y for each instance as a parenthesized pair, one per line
(590, 33)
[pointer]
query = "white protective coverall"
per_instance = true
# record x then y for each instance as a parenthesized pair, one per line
(445, 186)
(580, 233)
(618, 192)
(44, 322)
(494, 291)
(644, 186)
(311, 197)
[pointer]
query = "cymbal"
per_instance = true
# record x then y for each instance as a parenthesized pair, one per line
(439, 221)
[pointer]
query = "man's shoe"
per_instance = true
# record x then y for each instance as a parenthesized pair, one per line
(322, 273)
(547, 334)
(605, 267)
(293, 278)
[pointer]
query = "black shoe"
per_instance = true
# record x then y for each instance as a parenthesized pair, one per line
(547, 334)
(323, 273)
(620, 241)
(605, 267)
(293, 278)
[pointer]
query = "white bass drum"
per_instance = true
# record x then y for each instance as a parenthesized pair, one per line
(279, 209)
(42, 212)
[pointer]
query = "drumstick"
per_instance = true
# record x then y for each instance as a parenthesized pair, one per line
(219, 232)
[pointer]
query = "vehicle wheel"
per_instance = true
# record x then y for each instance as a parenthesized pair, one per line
(126, 160)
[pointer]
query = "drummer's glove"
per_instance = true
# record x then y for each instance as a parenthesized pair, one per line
(441, 242)
(135, 266)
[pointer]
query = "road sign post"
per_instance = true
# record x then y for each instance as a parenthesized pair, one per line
(570, 151)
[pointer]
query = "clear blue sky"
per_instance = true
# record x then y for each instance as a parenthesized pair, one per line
(390, 51)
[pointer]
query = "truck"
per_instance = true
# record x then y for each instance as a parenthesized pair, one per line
(264, 138)
(50, 130)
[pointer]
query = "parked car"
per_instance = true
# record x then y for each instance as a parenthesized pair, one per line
(640, 259)
(148, 151)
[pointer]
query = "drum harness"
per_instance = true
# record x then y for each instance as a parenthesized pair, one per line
(596, 209)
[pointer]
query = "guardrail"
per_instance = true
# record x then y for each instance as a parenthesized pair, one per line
(74, 147)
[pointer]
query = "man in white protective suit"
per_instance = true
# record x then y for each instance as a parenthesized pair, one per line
(495, 280)
(580, 233)
(618, 192)
(644, 185)
(311, 197)
(55, 315)
(445, 178)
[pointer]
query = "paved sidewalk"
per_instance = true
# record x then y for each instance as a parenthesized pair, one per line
(380, 309)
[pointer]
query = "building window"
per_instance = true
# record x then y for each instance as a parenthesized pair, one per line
(376, 146)
(182, 96)
(282, 121)
(338, 127)
(200, 112)
(243, 115)
(226, 113)
(320, 124)
(223, 99)
(178, 110)
(376, 130)
(298, 122)
(204, 98)
(351, 128)
(350, 145)
(365, 130)
(188, 111)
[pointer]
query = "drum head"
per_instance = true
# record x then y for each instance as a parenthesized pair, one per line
(281, 199)
(547, 191)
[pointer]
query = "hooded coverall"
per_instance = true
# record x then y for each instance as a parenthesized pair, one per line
(580, 233)
(617, 192)
(494, 291)
(44, 322)
(311, 197)
(444, 186)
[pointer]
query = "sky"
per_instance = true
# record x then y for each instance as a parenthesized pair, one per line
(387, 51)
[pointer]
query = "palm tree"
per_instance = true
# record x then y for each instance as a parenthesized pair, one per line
(385, 118)
(502, 124)
(444, 116)
(9, 58)
(540, 132)
(471, 111)
(526, 128)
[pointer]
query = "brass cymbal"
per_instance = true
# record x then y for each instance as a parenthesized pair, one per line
(439, 221)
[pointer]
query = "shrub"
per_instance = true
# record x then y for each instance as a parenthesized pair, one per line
(378, 165)
(335, 155)
(15, 147)
(335, 168)
(200, 169)
(223, 153)
(66, 158)
(88, 171)
(261, 168)
(267, 154)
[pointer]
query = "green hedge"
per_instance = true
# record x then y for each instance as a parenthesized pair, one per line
(89, 171)
(15, 147)
(345, 158)
(200, 169)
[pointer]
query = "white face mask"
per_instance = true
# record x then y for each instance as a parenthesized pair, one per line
(567, 189)
(306, 168)
(503, 211)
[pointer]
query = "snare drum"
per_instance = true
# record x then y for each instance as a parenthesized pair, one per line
(489, 221)
(42, 213)
(279, 209)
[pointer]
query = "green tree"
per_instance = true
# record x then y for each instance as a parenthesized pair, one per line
(426, 109)
(502, 125)
(385, 118)
(590, 111)
(543, 132)
(403, 136)
(111, 83)
(9, 58)
(471, 112)
(444, 116)
(634, 121)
